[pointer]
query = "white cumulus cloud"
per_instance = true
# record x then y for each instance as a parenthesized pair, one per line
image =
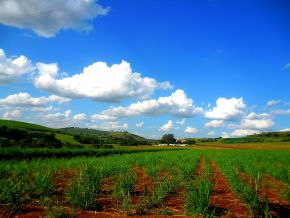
(140, 124)
(285, 130)
(111, 125)
(167, 127)
(46, 18)
(257, 121)
(273, 102)
(98, 82)
(211, 133)
(214, 124)
(43, 109)
(225, 135)
(14, 67)
(58, 117)
(181, 122)
(177, 104)
(13, 114)
(282, 112)
(226, 109)
(80, 117)
(244, 132)
(190, 130)
(25, 99)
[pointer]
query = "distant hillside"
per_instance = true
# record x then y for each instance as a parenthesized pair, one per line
(12, 124)
(261, 137)
(85, 136)
(16, 133)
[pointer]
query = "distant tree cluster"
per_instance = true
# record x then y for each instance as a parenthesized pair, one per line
(168, 139)
(23, 138)
(124, 140)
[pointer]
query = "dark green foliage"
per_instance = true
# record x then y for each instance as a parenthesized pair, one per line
(189, 141)
(168, 139)
(262, 137)
(25, 138)
(198, 193)
(85, 188)
(12, 124)
(30, 153)
(98, 137)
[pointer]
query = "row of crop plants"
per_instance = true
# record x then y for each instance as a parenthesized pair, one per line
(245, 170)
(23, 182)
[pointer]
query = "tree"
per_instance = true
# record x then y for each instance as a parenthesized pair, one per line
(168, 139)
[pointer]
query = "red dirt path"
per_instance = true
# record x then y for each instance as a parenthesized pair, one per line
(142, 186)
(278, 207)
(223, 201)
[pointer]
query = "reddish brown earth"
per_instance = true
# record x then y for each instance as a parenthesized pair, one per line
(275, 184)
(31, 212)
(200, 169)
(175, 203)
(62, 179)
(223, 202)
(278, 207)
(142, 186)
(105, 200)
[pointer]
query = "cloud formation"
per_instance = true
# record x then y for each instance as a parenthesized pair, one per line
(46, 18)
(214, 124)
(257, 121)
(25, 99)
(11, 115)
(190, 130)
(177, 104)
(243, 132)
(181, 122)
(167, 127)
(111, 125)
(58, 117)
(282, 112)
(285, 130)
(273, 102)
(98, 82)
(14, 67)
(140, 124)
(226, 109)
(80, 117)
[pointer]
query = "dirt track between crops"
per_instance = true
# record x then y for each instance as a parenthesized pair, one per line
(223, 202)
(278, 207)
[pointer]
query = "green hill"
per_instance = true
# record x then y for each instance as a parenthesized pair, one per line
(87, 136)
(261, 137)
(12, 124)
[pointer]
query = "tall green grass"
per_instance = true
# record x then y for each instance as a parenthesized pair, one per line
(31, 181)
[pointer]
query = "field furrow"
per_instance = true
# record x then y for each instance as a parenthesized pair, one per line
(223, 202)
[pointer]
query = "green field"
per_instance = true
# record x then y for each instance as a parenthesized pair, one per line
(66, 139)
(23, 125)
(144, 183)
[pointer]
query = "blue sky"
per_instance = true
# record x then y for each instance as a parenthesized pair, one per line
(206, 67)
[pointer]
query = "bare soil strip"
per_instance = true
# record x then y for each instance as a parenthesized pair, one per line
(175, 203)
(201, 168)
(31, 212)
(278, 207)
(223, 202)
(143, 185)
(62, 179)
(106, 200)
(277, 185)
